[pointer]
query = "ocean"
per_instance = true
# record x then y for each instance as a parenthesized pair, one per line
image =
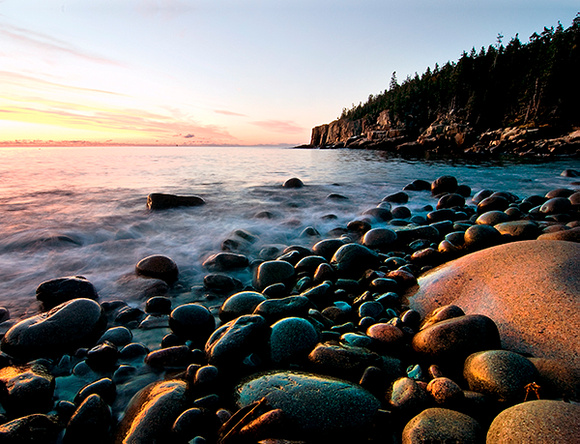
(82, 211)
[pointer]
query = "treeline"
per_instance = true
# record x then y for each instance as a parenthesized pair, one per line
(528, 84)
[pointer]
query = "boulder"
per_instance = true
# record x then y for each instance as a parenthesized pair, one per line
(56, 291)
(158, 267)
(530, 289)
(160, 201)
(26, 390)
(442, 425)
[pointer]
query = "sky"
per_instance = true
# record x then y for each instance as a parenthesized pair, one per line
(227, 72)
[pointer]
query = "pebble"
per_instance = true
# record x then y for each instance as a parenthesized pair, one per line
(274, 272)
(158, 305)
(158, 267)
(192, 321)
(56, 291)
(408, 397)
(225, 261)
(293, 182)
(292, 339)
(221, 282)
(478, 237)
(119, 336)
(327, 247)
(343, 360)
(274, 309)
(104, 387)
(239, 304)
(33, 428)
(379, 238)
(444, 184)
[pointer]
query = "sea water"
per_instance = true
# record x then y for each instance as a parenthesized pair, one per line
(82, 211)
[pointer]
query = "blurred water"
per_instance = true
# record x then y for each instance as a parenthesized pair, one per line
(82, 211)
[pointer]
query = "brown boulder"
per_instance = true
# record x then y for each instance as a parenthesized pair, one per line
(530, 289)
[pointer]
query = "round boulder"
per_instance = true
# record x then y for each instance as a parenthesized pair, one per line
(442, 425)
(351, 260)
(192, 321)
(158, 267)
(241, 303)
(273, 272)
(56, 291)
(291, 339)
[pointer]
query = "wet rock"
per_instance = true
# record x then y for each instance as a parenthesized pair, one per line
(399, 198)
(158, 267)
(556, 205)
(160, 201)
(478, 237)
(343, 360)
(406, 236)
(26, 390)
(239, 304)
(290, 306)
(103, 357)
(309, 264)
(104, 387)
(504, 283)
(221, 282)
(327, 247)
(291, 339)
(4, 314)
(492, 218)
(133, 350)
(519, 229)
(178, 356)
(30, 429)
(64, 328)
(317, 406)
(379, 238)
(539, 421)
(500, 374)
(571, 235)
(118, 336)
(234, 340)
(379, 213)
(559, 192)
(442, 425)
(443, 184)
(442, 314)
(451, 200)
(387, 336)
(90, 423)
(152, 412)
(192, 321)
(225, 261)
(454, 339)
(158, 305)
(56, 291)
(401, 213)
(189, 424)
(408, 396)
(294, 182)
(480, 195)
(492, 203)
(274, 272)
(351, 260)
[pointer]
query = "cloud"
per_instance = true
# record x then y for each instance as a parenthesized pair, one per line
(228, 113)
(279, 126)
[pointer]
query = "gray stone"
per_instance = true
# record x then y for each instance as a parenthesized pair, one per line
(273, 272)
(292, 339)
(351, 260)
(242, 303)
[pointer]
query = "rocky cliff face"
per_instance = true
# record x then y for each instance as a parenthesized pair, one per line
(448, 134)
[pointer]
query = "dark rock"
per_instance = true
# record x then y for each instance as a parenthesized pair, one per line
(128, 315)
(500, 374)
(309, 264)
(119, 336)
(189, 424)
(442, 314)
(478, 237)
(568, 172)
(56, 291)
(225, 261)
(379, 238)
(398, 198)
(26, 390)
(152, 413)
(290, 306)
(556, 205)
(158, 267)
(492, 203)
(451, 200)
(275, 291)
(234, 340)
(408, 396)
(160, 201)
(571, 235)
(351, 260)
(370, 308)
(539, 421)
(463, 190)
(443, 184)
(221, 283)
(327, 247)
(102, 357)
(388, 336)
(379, 214)
(293, 183)
(158, 305)
(401, 213)
(133, 350)
(90, 423)
(291, 339)
(454, 339)
(343, 360)
(438, 425)
(406, 236)
(35, 428)
(324, 272)
(104, 387)
(64, 328)
(445, 392)
(318, 406)
(274, 272)
(559, 192)
(192, 321)
(178, 356)
(480, 195)
(519, 229)
(492, 218)
(239, 304)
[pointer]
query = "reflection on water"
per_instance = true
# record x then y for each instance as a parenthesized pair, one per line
(81, 211)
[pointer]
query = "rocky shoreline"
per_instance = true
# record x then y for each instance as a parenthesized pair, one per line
(458, 326)
(448, 135)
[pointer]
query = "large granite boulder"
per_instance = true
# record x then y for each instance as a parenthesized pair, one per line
(530, 289)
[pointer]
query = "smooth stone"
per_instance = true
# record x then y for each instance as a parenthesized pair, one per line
(400, 198)
(242, 303)
(557, 380)
(493, 283)
(56, 291)
(158, 305)
(192, 321)
(480, 195)
(4, 314)
(161, 201)
(379, 213)
(387, 336)
(536, 422)
(103, 357)
(273, 272)
(492, 203)
(401, 213)
(556, 205)
(327, 247)
(26, 390)
(293, 182)
(119, 336)
(188, 424)
(225, 261)
(571, 235)
(343, 360)
(442, 314)
(292, 339)
(438, 425)
(316, 405)
(104, 387)
(445, 391)
(444, 184)
(221, 282)
(478, 237)
(452, 340)
(500, 374)
(351, 260)
(90, 423)
(152, 412)
(324, 272)
(519, 229)
(379, 238)
(274, 309)
(35, 428)
(177, 356)
(408, 235)
(450, 200)
(158, 267)
(492, 218)
(234, 340)
(64, 328)
(309, 264)
(408, 396)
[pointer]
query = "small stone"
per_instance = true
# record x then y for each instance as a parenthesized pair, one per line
(556, 205)
(158, 305)
(408, 396)
(225, 261)
(119, 336)
(158, 267)
(56, 291)
(492, 218)
(178, 356)
(192, 321)
(379, 238)
(274, 272)
(445, 392)
(293, 183)
(102, 357)
(351, 260)
(327, 247)
(30, 429)
(451, 200)
(291, 339)
(443, 184)
(343, 360)
(491, 203)
(160, 201)
(478, 237)
(290, 306)
(104, 387)
(221, 282)
(399, 198)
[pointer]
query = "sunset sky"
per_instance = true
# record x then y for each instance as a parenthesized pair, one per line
(227, 71)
